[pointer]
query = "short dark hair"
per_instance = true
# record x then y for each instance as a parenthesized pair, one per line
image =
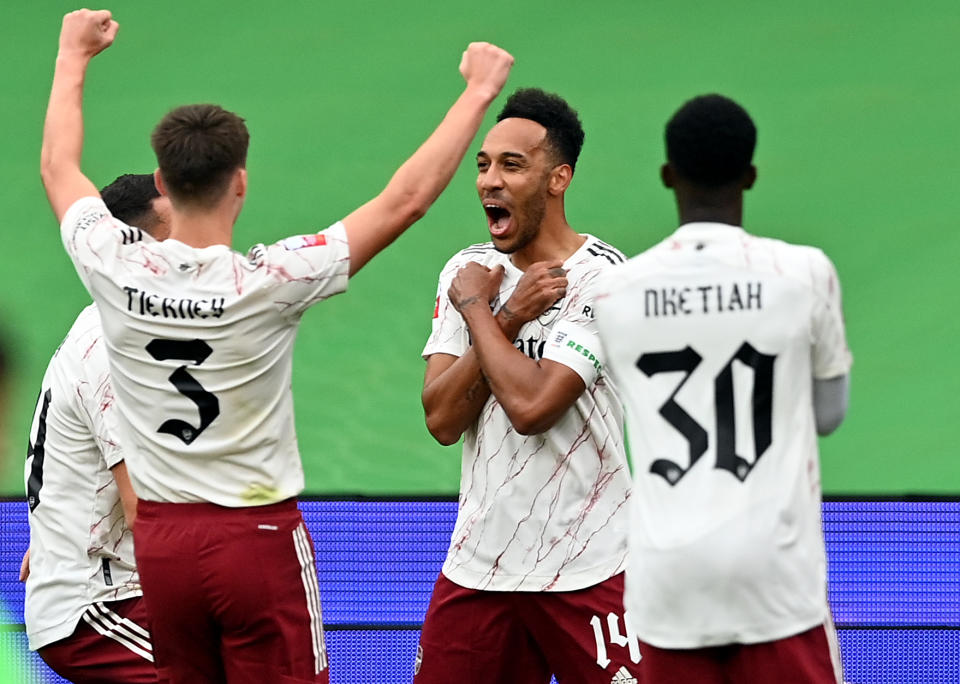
(197, 148)
(130, 198)
(564, 130)
(710, 140)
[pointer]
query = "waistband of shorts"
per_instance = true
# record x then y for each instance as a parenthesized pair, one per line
(168, 510)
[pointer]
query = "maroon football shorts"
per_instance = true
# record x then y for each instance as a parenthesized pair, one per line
(486, 637)
(810, 657)
(232, 593)
(111, 645)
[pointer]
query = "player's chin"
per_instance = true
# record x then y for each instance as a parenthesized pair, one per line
(504, 244)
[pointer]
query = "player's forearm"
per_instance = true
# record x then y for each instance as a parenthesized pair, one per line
(421, 179)
(453, 401)
(514, 378)
(63, 127)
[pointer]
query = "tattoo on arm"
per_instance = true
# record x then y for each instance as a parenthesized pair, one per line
(476, 388)
(467, 301)
(507, 314)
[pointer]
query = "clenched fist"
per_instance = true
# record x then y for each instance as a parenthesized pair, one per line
(486, 67)
(86, 32)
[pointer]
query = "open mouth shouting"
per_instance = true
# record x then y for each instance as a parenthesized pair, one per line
(499, 218)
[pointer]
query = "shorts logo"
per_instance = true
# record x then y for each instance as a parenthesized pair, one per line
(300, 241)
(419, 661)
(623, 676)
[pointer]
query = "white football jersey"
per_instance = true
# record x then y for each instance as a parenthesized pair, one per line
(200, 343)
(81, 551)
(714, 338)
(541, 512)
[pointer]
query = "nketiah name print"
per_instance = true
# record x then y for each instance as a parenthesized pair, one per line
(704, 299)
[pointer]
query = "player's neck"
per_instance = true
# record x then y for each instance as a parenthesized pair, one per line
(556, 240)
(730, 215)
(202, 229)
(723, 204)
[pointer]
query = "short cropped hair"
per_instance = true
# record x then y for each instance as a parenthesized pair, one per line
(710, 140)
(564, 130)
(130, 198)
(198, 147)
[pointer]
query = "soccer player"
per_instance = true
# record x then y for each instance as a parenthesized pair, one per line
(532, 582)
(199, 340)
(83, 608)
(730, 353)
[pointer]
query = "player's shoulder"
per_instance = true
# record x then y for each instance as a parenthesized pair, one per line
(804, 263)
(601, 254)
(88, 212)
(82, 353)
(482, 253)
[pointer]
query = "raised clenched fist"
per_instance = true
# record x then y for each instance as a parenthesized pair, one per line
(485, 66)
(87, 32)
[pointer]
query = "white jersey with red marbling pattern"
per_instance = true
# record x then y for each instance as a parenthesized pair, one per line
(200, 345)
(544, 512)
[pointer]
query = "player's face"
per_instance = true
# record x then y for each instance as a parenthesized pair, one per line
(513, 170)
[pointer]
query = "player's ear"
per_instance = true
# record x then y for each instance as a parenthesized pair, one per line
(750, 177)
(158, 181)
(560, 178)
(241, 183)
(667, 175)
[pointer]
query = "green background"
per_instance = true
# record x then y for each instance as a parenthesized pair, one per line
(856, 103)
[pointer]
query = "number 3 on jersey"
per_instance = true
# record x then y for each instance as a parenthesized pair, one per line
(196, 351)
(687, 360)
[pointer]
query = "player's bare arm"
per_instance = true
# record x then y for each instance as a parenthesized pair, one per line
(25, 566)
(421, 179)
(533, 394)
(83, 35)
(454, 388)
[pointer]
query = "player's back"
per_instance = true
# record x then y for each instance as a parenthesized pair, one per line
(714, 337)
(200, 344)
(81, 550)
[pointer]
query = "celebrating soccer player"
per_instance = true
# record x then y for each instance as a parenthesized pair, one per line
(730, 353)
(83, 608)
(199, 341)
(532, 583)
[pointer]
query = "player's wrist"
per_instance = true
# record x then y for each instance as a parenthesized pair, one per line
(483, 94)
(73, 57)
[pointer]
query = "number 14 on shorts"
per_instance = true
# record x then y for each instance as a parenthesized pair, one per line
(614, 636)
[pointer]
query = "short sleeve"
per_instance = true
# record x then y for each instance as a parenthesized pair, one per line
(831, 356)
(576, 346)
(307, 268)
(90, 235)
(448, 333)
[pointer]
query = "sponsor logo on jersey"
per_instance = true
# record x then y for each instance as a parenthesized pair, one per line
(300, 241)
(532, 347)
(436, 308)
(572, 344)
(623, 676)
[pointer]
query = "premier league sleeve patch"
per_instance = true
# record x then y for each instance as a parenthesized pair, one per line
(296, 242)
